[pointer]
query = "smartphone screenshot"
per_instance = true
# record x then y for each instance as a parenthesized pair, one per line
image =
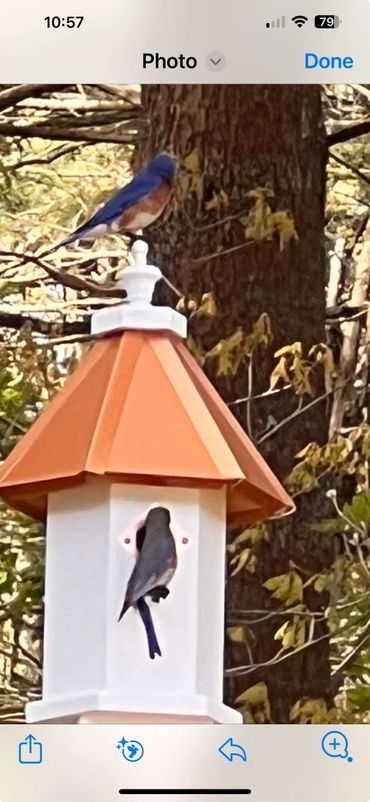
(184, 401)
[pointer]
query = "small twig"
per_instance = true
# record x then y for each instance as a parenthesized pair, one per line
(26, 654)
(267, 394)
(216, 224)
(352, 603)
(56, 153)
(218, 254)
(362, 89)
(350, 659)
(13, 424)
(172, 287)
(236, 617)
(301, 409)
(241, 671)
(68, 339)
(350, 167)
(250, 389)
(352, 197)
(344, 517)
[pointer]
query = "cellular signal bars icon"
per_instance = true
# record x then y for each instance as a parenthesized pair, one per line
(280, 22)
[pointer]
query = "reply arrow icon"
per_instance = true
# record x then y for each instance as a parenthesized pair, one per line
(230, 750)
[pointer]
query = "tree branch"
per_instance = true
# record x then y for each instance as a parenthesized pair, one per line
(241, 671)
(11, 320)
(62, 277)
(68, 134)
(348, 132)
(350, 167)
(57, 153)
(14, 94)
(351, 657)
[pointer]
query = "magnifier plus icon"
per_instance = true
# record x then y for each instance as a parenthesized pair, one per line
(335, 744)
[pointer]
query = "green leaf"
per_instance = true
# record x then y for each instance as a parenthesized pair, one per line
(359, 698)
(360, 509)
(286, 587)
(292, 634)
(329, 526)
(237, 634)
(255, 696)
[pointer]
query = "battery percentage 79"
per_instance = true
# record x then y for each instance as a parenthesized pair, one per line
(327, 21)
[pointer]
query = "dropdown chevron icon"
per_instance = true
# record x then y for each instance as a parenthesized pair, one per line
(215, 60)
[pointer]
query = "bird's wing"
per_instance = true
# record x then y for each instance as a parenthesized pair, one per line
(142, 185)
(156, 559)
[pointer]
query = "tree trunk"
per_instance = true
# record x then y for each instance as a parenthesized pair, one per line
(232, 140)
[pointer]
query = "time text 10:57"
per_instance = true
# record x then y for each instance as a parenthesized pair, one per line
(64, 22)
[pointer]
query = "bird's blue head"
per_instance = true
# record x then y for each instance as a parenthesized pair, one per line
(165, 166)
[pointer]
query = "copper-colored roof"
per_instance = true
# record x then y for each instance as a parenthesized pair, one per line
(139, 409)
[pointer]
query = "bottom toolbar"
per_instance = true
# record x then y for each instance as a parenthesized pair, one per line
(97, 763)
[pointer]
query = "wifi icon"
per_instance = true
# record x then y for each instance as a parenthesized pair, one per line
(299, 20)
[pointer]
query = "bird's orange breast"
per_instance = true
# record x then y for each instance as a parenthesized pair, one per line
(147, 210)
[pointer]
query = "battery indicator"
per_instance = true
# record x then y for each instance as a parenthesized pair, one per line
(327, 21)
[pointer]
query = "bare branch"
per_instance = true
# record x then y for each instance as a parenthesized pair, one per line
(348, 132)
(14, 94)
(362, 90)
(57, 153)
(225, 252)
(69, 134)
(350, 167)
(241, 671)
(355, 651)
(11, 320)
(301, 409)
(62, 277)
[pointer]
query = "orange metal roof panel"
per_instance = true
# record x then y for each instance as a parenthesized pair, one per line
(138, 408)
(263, 486)
(164, 424)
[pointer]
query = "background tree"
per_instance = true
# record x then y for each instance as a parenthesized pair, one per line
(248, 227)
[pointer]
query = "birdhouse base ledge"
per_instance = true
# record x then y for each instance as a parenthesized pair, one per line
(139, 318)
(72, 709)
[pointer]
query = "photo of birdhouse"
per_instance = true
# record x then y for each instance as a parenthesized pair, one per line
(183, 391)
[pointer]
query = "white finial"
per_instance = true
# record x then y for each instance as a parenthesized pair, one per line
(137, 312)
(140, 278)
(139, 251)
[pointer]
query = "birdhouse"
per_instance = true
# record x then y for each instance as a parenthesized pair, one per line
(137, 427)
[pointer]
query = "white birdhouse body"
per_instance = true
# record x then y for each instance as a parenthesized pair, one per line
(92, 662)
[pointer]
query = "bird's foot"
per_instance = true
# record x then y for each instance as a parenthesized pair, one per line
(158, 593)
(153, 652)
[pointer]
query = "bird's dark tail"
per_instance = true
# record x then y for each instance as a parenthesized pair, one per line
(149, 628)
(125, 607)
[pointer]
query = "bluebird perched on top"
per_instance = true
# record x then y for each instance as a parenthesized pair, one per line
(154, 569)
(136, 205)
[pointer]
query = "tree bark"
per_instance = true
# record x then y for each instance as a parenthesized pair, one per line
(231, 140)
